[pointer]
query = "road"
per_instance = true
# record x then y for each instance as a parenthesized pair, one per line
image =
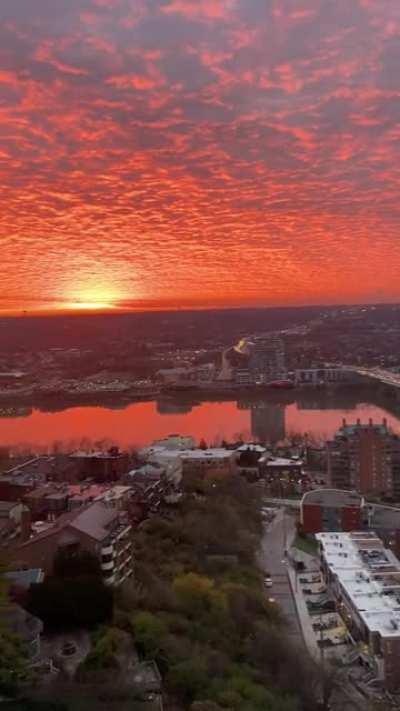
(291, 503)
(272, 558)
(278, 536)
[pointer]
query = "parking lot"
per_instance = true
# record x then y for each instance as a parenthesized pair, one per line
(330, 632)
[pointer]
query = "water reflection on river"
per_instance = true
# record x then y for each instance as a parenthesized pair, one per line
(266, 419)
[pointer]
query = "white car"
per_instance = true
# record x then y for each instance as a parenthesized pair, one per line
(268, 582)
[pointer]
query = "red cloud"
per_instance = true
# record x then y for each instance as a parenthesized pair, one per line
(199, 152)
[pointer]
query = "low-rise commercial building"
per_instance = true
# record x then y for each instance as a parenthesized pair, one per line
(179, 462)
(331, 510)
(282, 475)
(334, 510)
(364, 578)
(176, 441)
(167, 461)
(216, 461)
(187, 377)
(248, 458)
(321, 376)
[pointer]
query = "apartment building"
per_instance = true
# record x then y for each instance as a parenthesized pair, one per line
(102, 530)
(364, 578)
(365, 458)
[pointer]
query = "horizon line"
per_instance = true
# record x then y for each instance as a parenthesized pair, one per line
(121, 308)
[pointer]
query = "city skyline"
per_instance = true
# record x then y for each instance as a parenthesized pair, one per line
(197, 153)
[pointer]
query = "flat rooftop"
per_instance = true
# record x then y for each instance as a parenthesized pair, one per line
(216, 453)
(332, 497)
(168, 453)
(369, 574)
(282, 462)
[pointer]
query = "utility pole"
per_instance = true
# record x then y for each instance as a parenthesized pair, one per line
(284, 534)
(322, 658)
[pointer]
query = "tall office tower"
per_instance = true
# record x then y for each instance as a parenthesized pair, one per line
(267, 358)
(366, 458)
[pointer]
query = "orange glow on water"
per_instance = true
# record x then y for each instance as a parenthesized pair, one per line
(141, 423)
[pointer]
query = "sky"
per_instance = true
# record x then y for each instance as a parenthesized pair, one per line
(195, 153)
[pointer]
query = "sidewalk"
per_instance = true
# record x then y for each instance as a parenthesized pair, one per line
(311, 562)
(303, 615)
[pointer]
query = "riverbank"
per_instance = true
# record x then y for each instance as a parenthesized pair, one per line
(335, 396)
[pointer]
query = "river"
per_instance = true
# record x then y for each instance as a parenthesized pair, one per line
(136, 424)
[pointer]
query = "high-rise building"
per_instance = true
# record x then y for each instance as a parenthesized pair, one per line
(267, 358)
(365, 458)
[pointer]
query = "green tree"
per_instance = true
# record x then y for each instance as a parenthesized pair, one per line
(107, 644)
(189, 679)
(14, 669)
(205, 706)
(149, 633)
(82, 601)
(197, 594)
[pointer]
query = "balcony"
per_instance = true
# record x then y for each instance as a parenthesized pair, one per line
(124, 576)
(107, 550)
(108, 566)
(124, 532)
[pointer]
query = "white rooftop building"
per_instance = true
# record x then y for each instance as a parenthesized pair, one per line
(365, 579)
(176, 441)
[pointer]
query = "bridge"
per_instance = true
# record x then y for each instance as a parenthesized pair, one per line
(386, 377)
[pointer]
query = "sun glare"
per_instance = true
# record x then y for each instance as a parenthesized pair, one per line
(88, 306)
(91, 299)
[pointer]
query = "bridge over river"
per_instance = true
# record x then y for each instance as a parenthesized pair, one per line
(380, 375)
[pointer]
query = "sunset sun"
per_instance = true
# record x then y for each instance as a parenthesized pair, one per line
(91, 299)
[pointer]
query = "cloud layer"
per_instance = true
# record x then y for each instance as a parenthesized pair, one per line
(199, 151)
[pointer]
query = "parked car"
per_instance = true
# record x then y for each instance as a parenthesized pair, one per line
(268, 582)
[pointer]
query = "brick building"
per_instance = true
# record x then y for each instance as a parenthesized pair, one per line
(365, 458)
(331, 510)
(101, 466)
